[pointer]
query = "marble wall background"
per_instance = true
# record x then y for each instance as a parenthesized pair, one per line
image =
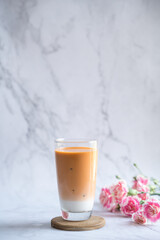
(77, 69)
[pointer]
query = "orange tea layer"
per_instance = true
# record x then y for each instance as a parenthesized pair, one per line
(76, 170)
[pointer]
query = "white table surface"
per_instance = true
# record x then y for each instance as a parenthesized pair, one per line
(34, 223)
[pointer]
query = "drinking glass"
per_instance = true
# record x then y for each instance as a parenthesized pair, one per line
(76, 166)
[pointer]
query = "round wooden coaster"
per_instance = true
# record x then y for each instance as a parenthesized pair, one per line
(94, 222)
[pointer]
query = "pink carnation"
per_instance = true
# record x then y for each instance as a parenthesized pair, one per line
(139, 217)
(140, 187)
(119, 191)
(152, 209)
(129, 205)
(106, 198)
(142, 179)
(115, 207)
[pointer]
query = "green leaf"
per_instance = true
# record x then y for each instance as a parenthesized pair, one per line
(141, 202)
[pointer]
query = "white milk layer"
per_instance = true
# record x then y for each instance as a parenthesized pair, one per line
(77, 206)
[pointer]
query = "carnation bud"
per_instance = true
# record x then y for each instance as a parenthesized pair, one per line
(132, 192)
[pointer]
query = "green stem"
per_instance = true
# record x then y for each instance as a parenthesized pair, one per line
(152, 194)
(135, 165)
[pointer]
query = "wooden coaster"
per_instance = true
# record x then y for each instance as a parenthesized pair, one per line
(94, 222)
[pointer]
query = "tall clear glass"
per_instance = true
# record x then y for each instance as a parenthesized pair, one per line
(76, 165)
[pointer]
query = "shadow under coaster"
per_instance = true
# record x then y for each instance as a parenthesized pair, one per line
(94, 222)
